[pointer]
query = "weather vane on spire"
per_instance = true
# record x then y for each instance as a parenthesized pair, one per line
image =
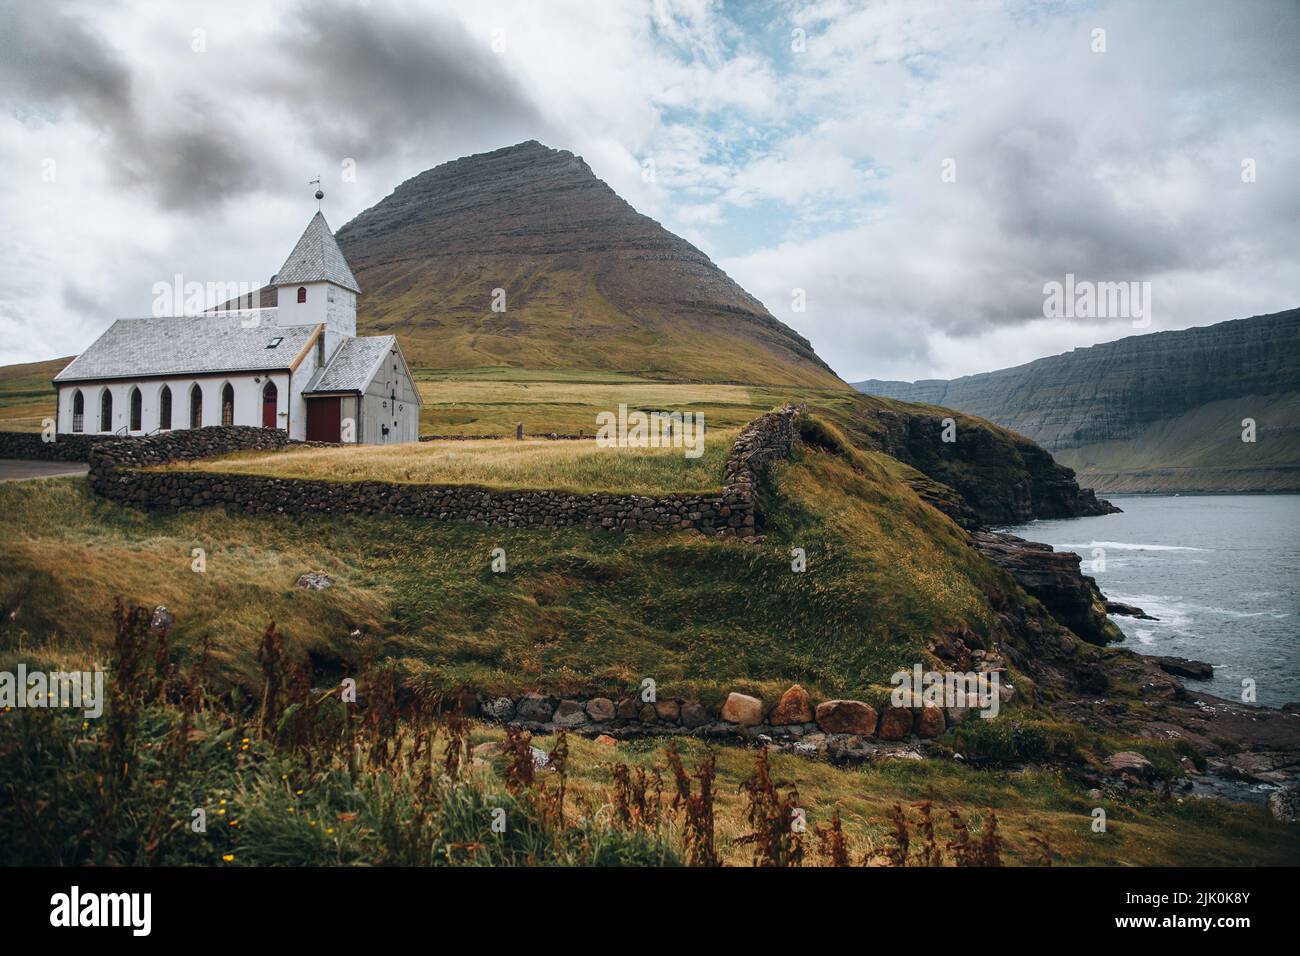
(319, 192)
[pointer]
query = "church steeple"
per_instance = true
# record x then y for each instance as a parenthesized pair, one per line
(317, 258)
(315, 286)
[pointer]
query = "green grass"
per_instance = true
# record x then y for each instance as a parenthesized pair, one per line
(576, 610)
(577, 613)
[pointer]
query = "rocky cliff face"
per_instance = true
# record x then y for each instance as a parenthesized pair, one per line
(1053, 577)
(1114, 390)
(1003, 477)
(585, 280)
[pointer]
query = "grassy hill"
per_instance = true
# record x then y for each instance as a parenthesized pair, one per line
(577, 612)
(26, 395)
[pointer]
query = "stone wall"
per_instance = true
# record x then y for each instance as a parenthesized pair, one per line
(115, 473)
(32, 445)
(838, 729)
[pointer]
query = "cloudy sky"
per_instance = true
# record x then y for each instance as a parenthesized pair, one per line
(918, 170)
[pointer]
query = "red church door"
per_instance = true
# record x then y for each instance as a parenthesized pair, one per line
(269, 396)
(323, 419)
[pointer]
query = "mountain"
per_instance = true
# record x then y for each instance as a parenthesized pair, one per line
(1157, 412)
(588, 282)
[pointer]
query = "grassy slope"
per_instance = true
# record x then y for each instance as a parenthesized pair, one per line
(578, 612)
(1201, 450)
(26, 395)
(575, 611)
(559, 317)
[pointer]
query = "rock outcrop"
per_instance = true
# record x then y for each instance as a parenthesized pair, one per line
(1054, 577)
(1003, 478)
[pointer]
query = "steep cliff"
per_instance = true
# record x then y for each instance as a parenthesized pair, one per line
(1002, 476)
(1151, 412)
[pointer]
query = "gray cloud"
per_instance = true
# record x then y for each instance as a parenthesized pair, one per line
(51, 59)
(373, 82)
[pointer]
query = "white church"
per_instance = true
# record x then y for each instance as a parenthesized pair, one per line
(298, 366)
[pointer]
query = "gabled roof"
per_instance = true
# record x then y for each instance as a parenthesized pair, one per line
(316, 258)
(353, 366)
(184, 345)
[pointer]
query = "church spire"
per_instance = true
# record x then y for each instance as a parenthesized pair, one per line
(317, 258)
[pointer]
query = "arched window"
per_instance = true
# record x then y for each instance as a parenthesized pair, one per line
(196, 406)
(302, 293)
(105, 411)
(78, 411)
(137, 413)
(228, 405)
(165, 409)
(270, 396)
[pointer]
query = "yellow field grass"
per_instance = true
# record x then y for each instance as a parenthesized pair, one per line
(577, 466)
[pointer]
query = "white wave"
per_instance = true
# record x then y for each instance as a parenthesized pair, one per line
(1128, 546)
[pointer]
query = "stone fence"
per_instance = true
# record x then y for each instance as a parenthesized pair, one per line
(116, 473)
(839, 729)
(32, 445)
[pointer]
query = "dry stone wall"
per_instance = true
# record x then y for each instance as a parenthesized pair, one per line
(33, 446)
(116, 472)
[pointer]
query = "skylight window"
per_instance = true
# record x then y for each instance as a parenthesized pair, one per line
(275, 341)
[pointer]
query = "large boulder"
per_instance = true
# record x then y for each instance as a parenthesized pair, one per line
(535, 707)
(570, 713)
(498, 708)
(1127, 763)
(668, 710)
(929, 722)
(895, 723)
(743, 710)
(1285, 805)
(846, 717)
(793, 708)
(694, 714)
(600, 708)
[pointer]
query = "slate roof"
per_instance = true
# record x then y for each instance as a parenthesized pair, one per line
(353, 365)
(316, 258)
(182, 345)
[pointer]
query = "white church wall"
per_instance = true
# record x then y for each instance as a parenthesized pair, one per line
(246, 388)
(289, 311)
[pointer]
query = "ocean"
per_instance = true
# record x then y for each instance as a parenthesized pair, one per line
(1221, 572)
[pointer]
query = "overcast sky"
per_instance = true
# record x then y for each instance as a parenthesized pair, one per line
(800, 145)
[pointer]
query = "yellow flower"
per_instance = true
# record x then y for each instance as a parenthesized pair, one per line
(229, 857)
